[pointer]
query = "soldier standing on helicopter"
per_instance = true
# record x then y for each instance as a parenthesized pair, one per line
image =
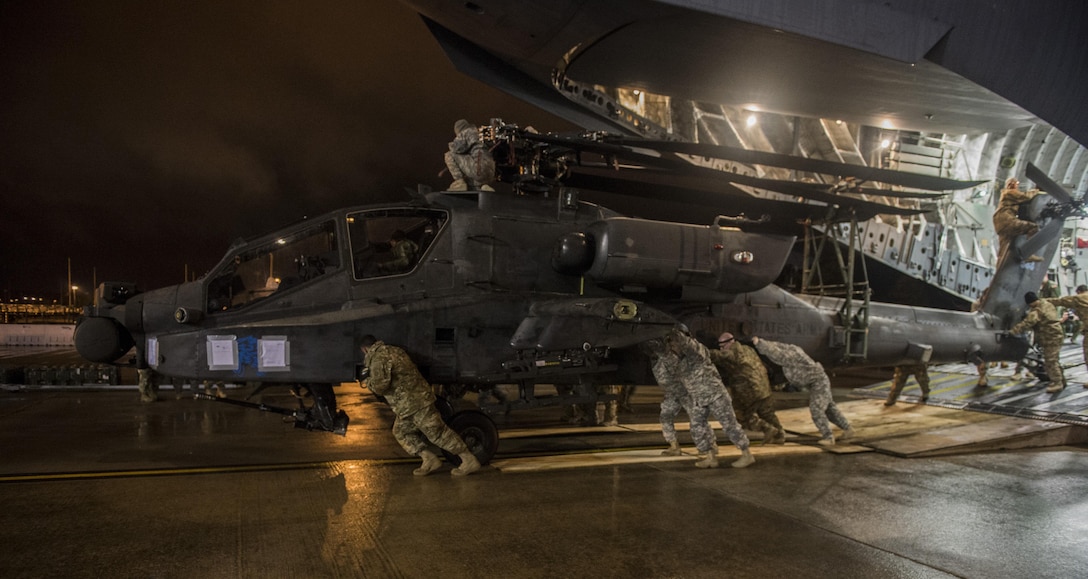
(469, 161)
(1007, 223)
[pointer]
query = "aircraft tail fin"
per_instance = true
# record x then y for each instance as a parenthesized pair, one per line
(1015, 275)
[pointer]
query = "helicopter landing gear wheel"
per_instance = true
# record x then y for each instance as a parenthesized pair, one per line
(479, 433)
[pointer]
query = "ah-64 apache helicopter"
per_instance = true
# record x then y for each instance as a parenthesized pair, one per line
(534, 286)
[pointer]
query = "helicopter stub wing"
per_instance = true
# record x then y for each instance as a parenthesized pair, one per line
(586, 324)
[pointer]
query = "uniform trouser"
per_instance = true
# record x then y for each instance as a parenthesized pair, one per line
(899, 381)
(822, 407)
(1052, 362)
(757, 413)
(470, 168)
(1008, 229)
(413, 432)
(700, 431)
(147, 383)
(721, 408)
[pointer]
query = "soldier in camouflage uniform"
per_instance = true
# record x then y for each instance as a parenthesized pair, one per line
(665, 367)
(147, 384)
(899, 380)
(394, 377)
(1007, 223)
(1043, 318)
(708, 394)
(469, 161)
(405, 251)
(1079, 304)
(745, 377)
(804, 372)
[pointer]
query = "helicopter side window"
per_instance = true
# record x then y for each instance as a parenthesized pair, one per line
(391, 241)
(262, 270)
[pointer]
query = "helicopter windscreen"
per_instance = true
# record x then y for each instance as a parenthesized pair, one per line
(260, 271)
(391, 241)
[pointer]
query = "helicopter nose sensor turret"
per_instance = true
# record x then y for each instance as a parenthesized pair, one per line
(101, 340)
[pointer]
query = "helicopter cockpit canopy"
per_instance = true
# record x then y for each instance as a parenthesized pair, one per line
(264, 269)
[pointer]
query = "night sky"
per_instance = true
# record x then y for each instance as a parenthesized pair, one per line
(140, 138)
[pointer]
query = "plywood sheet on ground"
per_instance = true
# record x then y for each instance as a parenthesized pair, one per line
(999, 433)
(581, 460)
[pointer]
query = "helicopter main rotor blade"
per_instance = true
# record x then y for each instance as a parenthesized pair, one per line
(728, 198)
(809, 191)
(896, 194)
(1047, 184)
(912, 180)
(1067, 206)
(651, 158)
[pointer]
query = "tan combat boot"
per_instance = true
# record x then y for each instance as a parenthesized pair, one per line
(672, 450)
(431, 462)
(745, 459)
(469, 464)
(708, 459)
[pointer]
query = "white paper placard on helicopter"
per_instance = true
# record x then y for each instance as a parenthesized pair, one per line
(222, 353)
(153, 352)
(273, 354)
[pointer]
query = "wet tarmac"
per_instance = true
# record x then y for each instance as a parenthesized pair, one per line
(93, 483)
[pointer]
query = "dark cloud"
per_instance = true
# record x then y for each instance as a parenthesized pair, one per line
(139, 138)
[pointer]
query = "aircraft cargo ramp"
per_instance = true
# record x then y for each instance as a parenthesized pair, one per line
(958, 418)
(1007, 414)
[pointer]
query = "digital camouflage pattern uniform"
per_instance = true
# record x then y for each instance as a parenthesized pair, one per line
(404, 255)
(1079, 304)
(804, 372)
(1007, 224)
(899, 380)
(469, 161)
(666, 370)
(395, 377)
(745, 377)
(708, 394)
(1042, 317)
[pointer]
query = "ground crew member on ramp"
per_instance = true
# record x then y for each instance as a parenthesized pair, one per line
(1043, 318)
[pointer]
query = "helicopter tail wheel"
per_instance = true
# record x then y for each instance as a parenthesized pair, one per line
(479, 433)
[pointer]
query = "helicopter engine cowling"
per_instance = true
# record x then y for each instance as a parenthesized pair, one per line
(656, 254)
(573, 254)
(101, 340)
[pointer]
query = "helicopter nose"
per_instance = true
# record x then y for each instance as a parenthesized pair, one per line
(101, 340)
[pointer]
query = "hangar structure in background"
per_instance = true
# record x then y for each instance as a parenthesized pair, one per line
(969, 90)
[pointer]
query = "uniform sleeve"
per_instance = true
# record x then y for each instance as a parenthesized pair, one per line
(772, 350)
(1027, 323)
(1064, 302)
(381, 375)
